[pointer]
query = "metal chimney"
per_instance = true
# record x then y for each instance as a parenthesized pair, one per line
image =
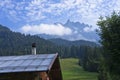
(34, 48)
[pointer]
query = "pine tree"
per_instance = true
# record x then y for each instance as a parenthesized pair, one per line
(110, 40)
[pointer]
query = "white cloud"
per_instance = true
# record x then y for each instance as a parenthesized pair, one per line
(75, 37)
(50, 29)
(88, 29)
(6, 4)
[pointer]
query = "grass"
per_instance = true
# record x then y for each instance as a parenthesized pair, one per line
(72, 71)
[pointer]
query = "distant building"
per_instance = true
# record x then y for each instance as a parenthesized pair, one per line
(30, 67)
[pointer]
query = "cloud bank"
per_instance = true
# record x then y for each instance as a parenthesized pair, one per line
(49, 29)
(34, 11)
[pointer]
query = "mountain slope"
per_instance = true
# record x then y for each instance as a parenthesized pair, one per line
(63, 42)
(81, 32)
(14, 43)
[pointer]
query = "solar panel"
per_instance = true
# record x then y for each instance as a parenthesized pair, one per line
(16, 63)
(6, 70)
(46, 62)
(25, 63)
(51, 56)
(33, 56)
(31, 68)
(36, 62)
(42, 68)
(1, 62)
(19, 69)
(6, 63)
(43, 56)
(8, 58)
(21, 57)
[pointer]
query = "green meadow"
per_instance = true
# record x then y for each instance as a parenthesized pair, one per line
(72, 71)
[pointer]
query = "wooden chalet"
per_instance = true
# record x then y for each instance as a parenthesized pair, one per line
(30, 67)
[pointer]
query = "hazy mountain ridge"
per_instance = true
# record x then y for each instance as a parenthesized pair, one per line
(63, 42)
(79, 32)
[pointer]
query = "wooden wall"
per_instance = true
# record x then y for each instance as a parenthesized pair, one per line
(18, 76)
(55, 72)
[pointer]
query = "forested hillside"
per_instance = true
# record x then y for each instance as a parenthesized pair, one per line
(64, 42)
(14, 43)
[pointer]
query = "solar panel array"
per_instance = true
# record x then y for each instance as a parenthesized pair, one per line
(26, 63)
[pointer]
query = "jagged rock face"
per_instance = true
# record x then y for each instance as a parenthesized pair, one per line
(80, 31)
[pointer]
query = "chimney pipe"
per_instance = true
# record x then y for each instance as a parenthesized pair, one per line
(34, 48)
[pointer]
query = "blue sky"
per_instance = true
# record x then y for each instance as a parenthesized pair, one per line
(39, 16)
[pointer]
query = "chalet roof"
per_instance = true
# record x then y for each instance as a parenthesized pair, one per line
(27, 63)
